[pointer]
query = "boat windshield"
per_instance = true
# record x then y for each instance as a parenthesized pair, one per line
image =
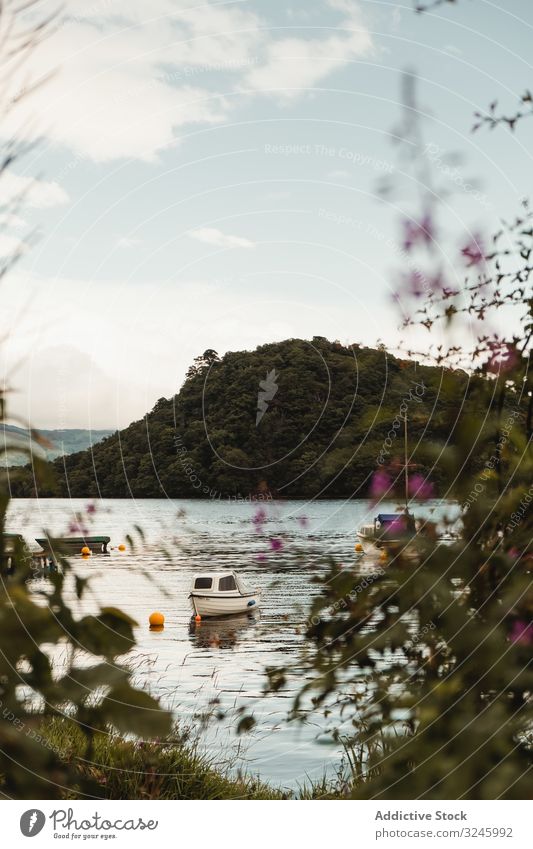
(241, 586)
(227, 583)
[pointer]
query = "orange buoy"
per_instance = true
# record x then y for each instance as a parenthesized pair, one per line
(197, 618)
(121, 547)
(156, 619)
(86, 550)
(358, 546)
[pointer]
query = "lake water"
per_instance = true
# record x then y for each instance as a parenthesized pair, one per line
(188, 666)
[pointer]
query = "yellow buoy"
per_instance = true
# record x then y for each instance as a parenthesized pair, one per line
(156, 619)
(121, 547)
(86, 550)
(358, 546)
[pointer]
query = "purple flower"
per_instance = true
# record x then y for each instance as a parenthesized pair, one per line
(381, 483)
(261, 558)
(420, 487)
(91, 508)
(259, 518)
(397, 525)
(418, 231)
(521, 632)
(276, 544)
(303, 521)
(413, 284)
(503, 357)
(473, 252)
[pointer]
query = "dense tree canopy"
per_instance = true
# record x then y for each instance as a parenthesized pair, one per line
(333, 415)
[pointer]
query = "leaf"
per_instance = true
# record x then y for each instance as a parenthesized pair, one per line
(109, 634)
(135, 711)
(81, 584)
(245, 724)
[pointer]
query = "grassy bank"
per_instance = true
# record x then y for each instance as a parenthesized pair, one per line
(124, 769)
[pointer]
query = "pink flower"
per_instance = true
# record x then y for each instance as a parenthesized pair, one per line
(259, 518)
(276, 544)
(414, 284)
(381, 483)
(473, 252)
(397, 525)
(91, 508)
(420, 487)
(418, 231)
(261, 558)
(521, 632)
(503, 357)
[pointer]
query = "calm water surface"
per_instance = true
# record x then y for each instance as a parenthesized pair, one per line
(225, 660)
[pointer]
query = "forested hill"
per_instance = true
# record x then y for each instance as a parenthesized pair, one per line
(294, 418)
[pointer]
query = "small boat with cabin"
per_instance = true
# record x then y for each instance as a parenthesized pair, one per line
(392, 528)
(388, 528)
(222, 594)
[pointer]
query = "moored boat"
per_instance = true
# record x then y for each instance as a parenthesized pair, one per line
(222, 594)
(392, 528)
(73, 545)
(388, 528)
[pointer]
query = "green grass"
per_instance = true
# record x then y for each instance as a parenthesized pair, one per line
(174, 769)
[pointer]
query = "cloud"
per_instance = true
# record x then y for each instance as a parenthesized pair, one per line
(128, 242)
(295, 64)
(9, 219)
(64, 387)
(212, 236)
(40, 194)
(122, 77)
(11, 245)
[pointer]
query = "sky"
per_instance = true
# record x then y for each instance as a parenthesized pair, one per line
(207, 175)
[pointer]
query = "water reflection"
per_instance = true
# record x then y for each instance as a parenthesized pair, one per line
(220, 633)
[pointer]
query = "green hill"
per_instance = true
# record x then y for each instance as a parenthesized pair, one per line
(294, 419)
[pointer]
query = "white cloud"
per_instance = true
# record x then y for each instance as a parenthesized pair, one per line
(128, 242)
(130, 74)
(40, 194)
(295, 64)
(9, 219)
(212, 236)
(11, 245)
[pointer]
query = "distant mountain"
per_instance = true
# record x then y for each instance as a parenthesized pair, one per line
(54, 443)
(295, 419)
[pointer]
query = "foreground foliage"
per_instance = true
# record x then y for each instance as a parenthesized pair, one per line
(125, 769)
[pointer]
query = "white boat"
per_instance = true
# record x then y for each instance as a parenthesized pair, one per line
(222, 594)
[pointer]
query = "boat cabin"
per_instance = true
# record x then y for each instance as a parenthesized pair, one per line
(219, 583)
